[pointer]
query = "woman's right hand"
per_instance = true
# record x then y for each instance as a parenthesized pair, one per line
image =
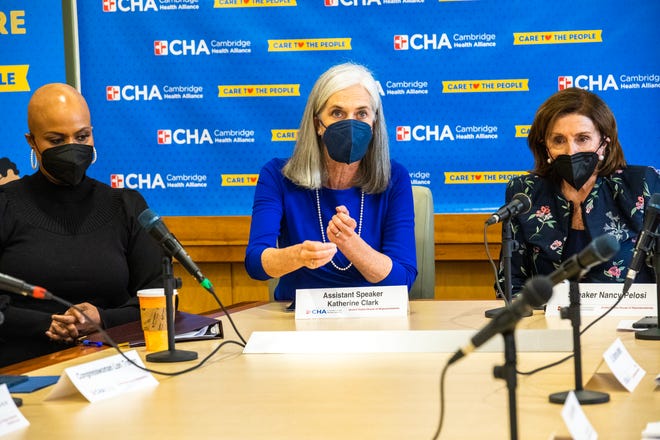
(314, 254)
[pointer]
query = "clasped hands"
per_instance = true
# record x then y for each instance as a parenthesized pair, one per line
(339, 232)
(72, 324)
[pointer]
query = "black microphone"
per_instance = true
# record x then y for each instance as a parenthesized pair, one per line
(21, 287)
(153, 224)
(536, 292)
(645, 240)
(596, 252)
(519, 204)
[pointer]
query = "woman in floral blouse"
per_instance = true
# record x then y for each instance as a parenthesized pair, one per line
(580, 188)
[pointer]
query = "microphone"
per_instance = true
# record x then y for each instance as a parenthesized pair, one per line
(598, 251)
(153, 224)
(21, 287)
(519, 204)
(645, 239)
(536, 292)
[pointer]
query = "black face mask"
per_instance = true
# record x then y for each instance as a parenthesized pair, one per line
(577, 168)
(67, 163)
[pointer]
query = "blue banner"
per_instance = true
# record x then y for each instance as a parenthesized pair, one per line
(31, 54)
(190, 98)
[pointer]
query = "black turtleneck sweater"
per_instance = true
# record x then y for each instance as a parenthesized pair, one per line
(82, 243)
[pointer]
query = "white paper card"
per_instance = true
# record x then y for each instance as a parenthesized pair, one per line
(623, 366)
(351, 302)
(575, 419)
(652, 431)
(104, 378)
(400, 341)
(596, 298)
(11, 418)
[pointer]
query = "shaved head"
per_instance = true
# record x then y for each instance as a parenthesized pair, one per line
(54, 105)
(57, 115)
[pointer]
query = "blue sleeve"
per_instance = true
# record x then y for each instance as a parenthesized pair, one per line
(267, 212)
(399, 230)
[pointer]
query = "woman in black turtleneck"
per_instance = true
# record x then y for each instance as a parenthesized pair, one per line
(71, 234)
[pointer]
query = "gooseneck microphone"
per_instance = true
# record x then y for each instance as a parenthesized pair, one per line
(153, 224)
(22, 288)
(598, 251)
(519, 204)
(536, 292)
(645, 240)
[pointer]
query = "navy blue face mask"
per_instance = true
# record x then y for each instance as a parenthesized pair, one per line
(347, 140)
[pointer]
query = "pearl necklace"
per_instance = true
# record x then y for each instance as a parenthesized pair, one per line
(318, 210)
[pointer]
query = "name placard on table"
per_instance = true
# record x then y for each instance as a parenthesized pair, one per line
(596, 298)
(351, 302)
(104, 378)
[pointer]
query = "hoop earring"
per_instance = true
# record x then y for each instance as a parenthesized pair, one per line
(94, 158)
(33, 160)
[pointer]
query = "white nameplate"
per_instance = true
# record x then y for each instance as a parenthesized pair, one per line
(576, 421)
(351, 302)
(596, 298)
(623, 366)
(11, 418)
(397, 341)
(104, 378)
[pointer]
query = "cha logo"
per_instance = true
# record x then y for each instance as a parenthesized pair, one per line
(132, 93)
(129, 5)
(421, 42)
(421, 133)
(181, 47)
(587, 82)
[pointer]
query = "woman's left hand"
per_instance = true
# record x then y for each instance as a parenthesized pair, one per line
(341, 226)
(72, 324)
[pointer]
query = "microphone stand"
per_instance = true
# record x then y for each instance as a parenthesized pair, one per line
(508, 246)
(654, 333)
(508, 373)
(171, 354)
(572, 312)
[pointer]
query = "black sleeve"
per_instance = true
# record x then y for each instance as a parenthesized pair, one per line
(22, 322)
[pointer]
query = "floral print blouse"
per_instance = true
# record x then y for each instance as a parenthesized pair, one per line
(615, 206)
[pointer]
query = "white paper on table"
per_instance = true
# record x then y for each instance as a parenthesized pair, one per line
(623, 366)
(11, 419)
(576, 421)
(104, 378)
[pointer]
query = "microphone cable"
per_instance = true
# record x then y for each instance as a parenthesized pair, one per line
(436, 435)
(117, 348)
(443, 374)
(500, 292)
(591, 324)
(209, 288)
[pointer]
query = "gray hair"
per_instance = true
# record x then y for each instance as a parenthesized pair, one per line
(306, 166)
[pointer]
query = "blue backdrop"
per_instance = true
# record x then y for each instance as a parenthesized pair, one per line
(31, 54)
(190, 98)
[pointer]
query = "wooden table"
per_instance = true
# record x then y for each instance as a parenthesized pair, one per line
(353, 396)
